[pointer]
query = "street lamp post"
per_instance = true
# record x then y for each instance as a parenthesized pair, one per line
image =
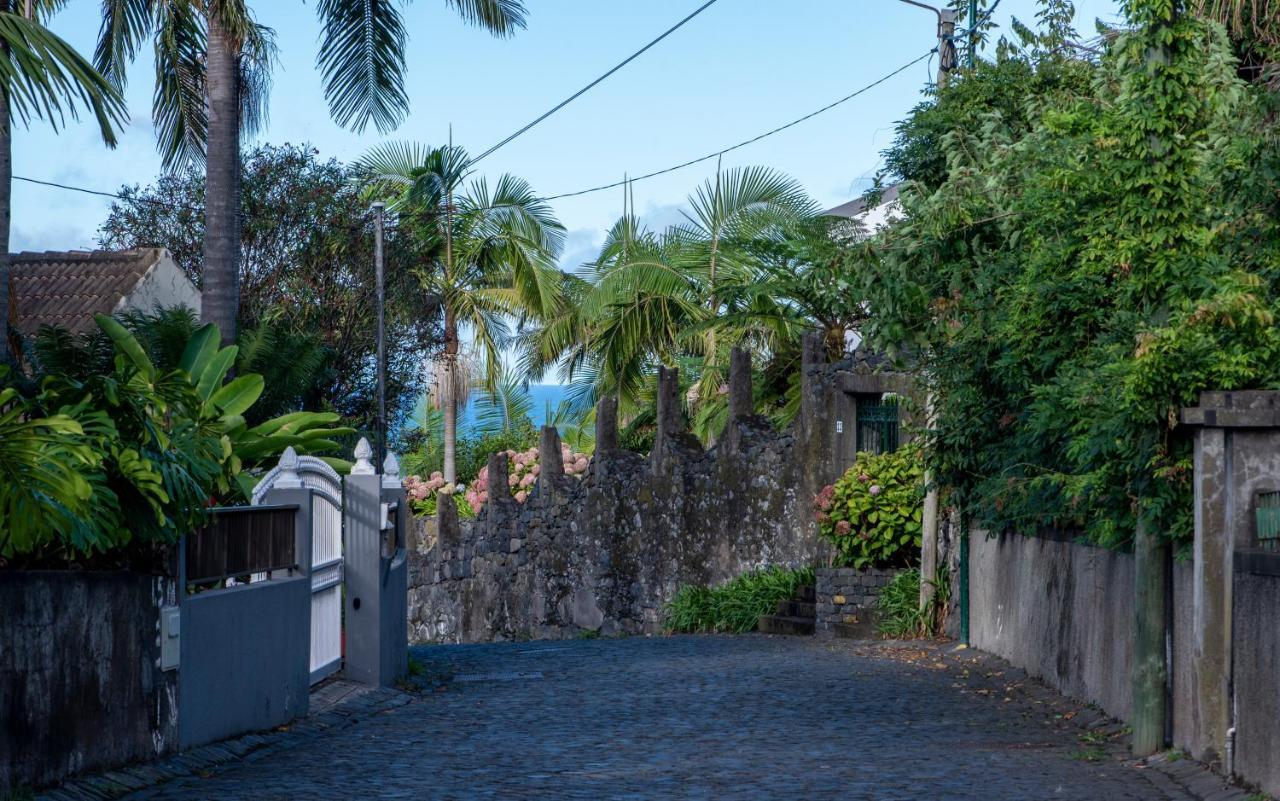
(379, 210)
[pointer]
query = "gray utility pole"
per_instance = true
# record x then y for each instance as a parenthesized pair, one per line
(946, 39)
(973, 31)
(378, 219)
(929, 515)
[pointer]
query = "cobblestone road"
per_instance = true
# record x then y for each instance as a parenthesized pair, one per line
(749, 717)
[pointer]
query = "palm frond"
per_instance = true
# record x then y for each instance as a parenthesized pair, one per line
(46, 78)
(125, 23)
(362, 60)
(504, 404)
(258, 55)
(500, 17)
(178, 107)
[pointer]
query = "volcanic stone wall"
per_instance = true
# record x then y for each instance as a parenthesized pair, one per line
(604, 553)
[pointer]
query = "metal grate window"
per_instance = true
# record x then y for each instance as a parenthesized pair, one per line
(1267, 510)
(877, 429)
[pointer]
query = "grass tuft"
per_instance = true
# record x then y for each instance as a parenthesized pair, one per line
(898, 605)
(737, 605)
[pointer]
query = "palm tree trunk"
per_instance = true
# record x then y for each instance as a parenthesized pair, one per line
(450, 356)
(450, 399)
(6, 204)
(6, 201)
(221, 291)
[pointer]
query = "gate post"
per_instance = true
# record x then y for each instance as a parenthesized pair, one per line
(286, 488)
(1237, 456)
(376, 574)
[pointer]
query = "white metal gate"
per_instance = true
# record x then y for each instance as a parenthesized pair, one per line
(326, 555)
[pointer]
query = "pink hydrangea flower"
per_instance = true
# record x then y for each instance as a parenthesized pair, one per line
(875, 489)
(521, 496)
(843, 528)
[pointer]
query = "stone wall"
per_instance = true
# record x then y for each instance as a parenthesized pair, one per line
(848, 596)
(80, 683)
(605, 553)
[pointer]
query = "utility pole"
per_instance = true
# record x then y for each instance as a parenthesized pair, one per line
(946, 37)
(929, 518)
(973, 31)
(379, 210)
(946, 45)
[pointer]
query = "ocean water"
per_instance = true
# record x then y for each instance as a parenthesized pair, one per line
(545, 397)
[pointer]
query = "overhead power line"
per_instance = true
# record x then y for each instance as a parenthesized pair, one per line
(750, 141)
(592, 85)
(99, 193)
(589, 190)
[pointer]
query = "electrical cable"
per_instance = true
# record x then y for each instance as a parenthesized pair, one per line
(592, 85)
(750, 141)
(589, 190)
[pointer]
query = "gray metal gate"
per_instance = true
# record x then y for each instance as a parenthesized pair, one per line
(326, 568)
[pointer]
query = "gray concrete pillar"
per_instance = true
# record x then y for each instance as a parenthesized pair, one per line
(376, 576)
(1236, 455)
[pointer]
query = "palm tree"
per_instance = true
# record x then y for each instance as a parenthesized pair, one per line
(731, 218)
(487, 253)
(213, 68)
(695, 290)
(41, 76)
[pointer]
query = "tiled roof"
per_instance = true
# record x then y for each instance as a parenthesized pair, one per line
(67, 289)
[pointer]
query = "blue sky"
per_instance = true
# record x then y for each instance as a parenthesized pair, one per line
(739, 69)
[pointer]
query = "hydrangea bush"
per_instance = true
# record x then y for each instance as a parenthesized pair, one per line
(522, 473)
(424, 494)
(873, 512)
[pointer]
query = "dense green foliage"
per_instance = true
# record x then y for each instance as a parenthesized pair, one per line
(486, 251)
(872, 513)
(752, 265)
(1096, 247)
(99, 457)
(898, 611)
(306, 280)
(735, 606)
(290, 363)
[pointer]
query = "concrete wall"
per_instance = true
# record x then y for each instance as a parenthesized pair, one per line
(164, 285)
(1062, 611)
(1256, 677)
(245, 659)
(80, 684)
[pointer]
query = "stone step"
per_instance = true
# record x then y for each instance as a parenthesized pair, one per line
(805, 593)
(783, 624)
(797, 609)
(863, 629)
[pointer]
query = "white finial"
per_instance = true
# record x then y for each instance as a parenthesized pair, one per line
(288, 477)
(391, 471)
(363, 467)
